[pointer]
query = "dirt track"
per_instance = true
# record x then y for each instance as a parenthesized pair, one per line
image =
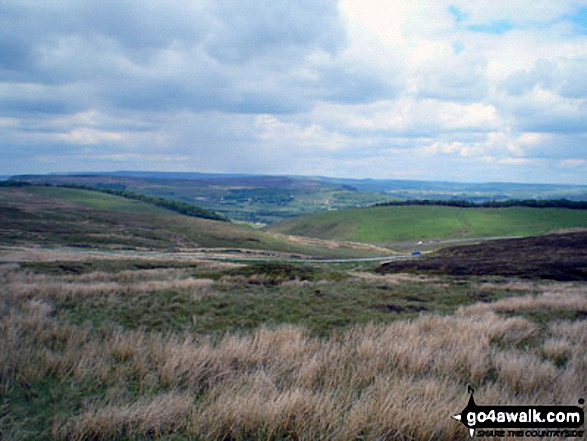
(33, 254)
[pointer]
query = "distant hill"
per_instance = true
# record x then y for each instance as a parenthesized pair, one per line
(54, 216)
(389, 225)
(255, 199)
(270, 199)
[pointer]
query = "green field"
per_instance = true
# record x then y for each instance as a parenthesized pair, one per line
(261, 199)
(94, 199)
(48, 216)
(111, 330)
(270, 199)
(389, 225)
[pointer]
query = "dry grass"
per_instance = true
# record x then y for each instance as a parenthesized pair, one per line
(27, 285)
(332, 244)
(572, 299)
(515, 285)
(146, 417)
(396, 381)
(8, 255)
(393, 279)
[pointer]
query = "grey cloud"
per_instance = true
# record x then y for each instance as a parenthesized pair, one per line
(36, 149)
(563, 146)
(242, 31)
(139, 25)
(225, 55)
(567, 112)
(523, 82)
(464, 88)
(24, 106)
(355, 84)
(566, 78)
(551, 122)
(574, 84)
(15, 54)
(132, 24)
(553, 118)
(30, 100)
(461, 78)
(77, 33)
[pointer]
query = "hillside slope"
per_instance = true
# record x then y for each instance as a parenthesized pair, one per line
(81, 218)
(255, 199)
(560, 257)
(388, 225)
(269, 199)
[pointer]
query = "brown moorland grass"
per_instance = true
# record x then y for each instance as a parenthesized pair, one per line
(560, 257)
(401, 380)
(83, 219)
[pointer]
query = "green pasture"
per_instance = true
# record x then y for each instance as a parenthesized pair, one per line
(402, 223)
(50, 216)
(94, 199)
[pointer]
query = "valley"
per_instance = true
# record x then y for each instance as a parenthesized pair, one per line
(123, 319)
(263, 200)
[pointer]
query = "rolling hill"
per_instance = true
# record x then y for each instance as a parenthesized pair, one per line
(269, 199)
(254, 199)
(51, 216)
(388, 226)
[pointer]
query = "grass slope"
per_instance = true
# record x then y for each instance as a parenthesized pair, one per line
(145, 350)
(256, 199)
(385, 225)
(83, 218)
(269, 199)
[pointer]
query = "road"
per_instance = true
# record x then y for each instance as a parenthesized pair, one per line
(217, 255)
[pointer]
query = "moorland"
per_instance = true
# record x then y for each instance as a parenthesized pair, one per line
(121, 319)
(268, 199)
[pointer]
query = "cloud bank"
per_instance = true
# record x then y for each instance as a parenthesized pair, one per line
(436, 90)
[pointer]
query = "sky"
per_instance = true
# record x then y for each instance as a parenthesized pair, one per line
(461, 90)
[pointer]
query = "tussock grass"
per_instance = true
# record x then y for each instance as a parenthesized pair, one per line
(146, 417)
(27, 284)
(394, 278)
(397, 380)
(570, 300)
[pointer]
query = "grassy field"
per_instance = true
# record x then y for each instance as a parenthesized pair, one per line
(81, 218)
(110, 330)
(389, 225)
(143, 349)
(93, 199)
(268, 199)
(249, 199)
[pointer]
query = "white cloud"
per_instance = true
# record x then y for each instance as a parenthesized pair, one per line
(291, 135)
(85, 136)
(359, 88)
(572, 163)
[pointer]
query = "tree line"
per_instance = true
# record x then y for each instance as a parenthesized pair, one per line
(533, 203)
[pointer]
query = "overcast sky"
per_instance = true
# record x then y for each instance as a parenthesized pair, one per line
(464, 90)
